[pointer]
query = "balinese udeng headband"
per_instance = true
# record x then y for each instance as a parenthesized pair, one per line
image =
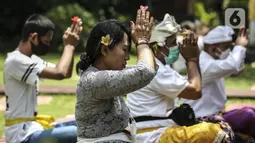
(164, 29)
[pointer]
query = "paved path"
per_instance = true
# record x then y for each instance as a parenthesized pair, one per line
(71, 90)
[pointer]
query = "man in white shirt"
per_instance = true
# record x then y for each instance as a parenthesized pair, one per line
(152, 105)
(22, 70)
(216, 62)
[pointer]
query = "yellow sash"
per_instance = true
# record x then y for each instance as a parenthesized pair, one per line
(140, 131)
(44, 120)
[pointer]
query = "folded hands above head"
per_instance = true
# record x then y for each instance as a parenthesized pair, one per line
(188, 45)
(141, 28)
(242, 38)
(141, 32)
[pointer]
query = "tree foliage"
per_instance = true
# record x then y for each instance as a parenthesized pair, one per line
(14, 13)
(61, 15)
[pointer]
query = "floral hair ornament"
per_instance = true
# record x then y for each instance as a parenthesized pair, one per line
(75, 19)
(106, 40)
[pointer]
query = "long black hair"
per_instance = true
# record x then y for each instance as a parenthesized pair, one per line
(92, 52)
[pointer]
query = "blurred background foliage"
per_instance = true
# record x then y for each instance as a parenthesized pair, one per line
(61, 16)
(15, 12)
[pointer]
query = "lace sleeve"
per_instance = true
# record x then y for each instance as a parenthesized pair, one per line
(107, 84)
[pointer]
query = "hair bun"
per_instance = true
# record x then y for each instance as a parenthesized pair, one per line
(85, 58)
(84, 63)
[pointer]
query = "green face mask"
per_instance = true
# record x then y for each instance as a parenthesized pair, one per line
(173, 55)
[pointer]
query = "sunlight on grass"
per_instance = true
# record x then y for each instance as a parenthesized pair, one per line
(60, 106)
(238, 83)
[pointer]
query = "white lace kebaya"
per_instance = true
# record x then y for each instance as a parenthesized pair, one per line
(100, 109)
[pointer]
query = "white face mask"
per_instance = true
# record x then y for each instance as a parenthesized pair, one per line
(225, 54)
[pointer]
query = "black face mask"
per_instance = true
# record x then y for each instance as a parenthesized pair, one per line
(40, 49)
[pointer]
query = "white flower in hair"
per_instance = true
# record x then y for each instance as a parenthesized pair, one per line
(164, 29)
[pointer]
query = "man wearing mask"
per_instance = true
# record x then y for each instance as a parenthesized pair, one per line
(21, 79)
(216, 62)
(153, 106)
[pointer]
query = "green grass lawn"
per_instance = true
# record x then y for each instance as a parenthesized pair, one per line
(243, 81)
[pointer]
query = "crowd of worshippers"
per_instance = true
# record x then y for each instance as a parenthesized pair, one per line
(161, 105)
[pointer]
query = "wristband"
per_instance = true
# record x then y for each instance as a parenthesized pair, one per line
(142, 41)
